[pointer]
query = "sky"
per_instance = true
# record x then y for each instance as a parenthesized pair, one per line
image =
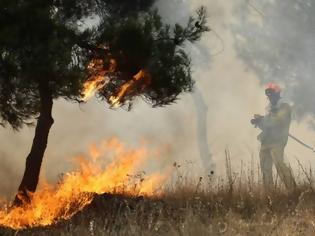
(232, 92)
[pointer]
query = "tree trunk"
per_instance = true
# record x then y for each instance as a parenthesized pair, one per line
(203, 144)
(34, 159)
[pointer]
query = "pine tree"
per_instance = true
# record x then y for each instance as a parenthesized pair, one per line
(48, 52)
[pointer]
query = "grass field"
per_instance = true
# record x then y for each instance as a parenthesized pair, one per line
(204, 206)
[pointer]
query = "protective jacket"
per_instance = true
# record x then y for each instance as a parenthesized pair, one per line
(275, 126)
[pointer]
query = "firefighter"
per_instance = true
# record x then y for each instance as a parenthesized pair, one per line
(274, 137)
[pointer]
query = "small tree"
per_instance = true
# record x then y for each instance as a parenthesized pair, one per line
(46, 53)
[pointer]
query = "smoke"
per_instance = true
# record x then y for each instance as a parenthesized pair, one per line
(279, 46)
(232, 86)
(231, 93)
(231, 90)
(7, 175)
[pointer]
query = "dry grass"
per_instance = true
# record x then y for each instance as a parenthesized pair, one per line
(206, 206)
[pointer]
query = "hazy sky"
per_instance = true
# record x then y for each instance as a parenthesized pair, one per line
(232, 92)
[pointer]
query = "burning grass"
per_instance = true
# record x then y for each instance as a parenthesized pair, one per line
(185, 211)
(51, 204)
(236, 205)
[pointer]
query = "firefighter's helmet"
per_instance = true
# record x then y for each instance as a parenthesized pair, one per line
(272, 89)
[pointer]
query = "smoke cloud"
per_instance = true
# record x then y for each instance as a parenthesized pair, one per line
(276, 40)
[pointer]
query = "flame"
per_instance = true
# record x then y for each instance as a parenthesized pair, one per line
(149, 186)
(98, 77)
(77, 189)
(116, 100)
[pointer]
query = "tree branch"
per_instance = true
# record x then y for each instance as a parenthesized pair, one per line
(92, 48)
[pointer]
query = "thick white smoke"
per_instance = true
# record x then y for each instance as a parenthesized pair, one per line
(279, 46)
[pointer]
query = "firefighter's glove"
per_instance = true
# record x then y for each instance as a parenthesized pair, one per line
(256, 120)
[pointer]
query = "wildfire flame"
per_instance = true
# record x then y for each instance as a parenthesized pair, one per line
(99, 78)
(77, 189)
(116, 100)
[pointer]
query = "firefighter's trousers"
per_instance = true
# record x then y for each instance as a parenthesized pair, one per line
(274, 155)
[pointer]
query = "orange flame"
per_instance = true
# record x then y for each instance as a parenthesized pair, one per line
(51, 204)
(98, 77)
(116, 100)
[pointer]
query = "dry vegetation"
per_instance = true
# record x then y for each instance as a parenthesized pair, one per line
(211, 206)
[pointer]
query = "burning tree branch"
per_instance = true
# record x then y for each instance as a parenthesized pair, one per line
(158, 72)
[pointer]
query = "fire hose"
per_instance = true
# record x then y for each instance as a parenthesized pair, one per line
(302, 143)
(255, 123)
